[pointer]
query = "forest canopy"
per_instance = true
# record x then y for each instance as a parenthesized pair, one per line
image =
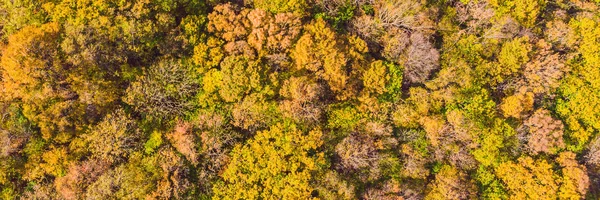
(300, 99)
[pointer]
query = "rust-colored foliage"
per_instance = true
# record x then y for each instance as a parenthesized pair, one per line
(544, 133)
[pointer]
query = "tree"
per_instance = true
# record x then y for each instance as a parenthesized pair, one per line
(343, 117)
(33, 73)
(333, 186)
(525, 12)
(357, 152)
(543, 73)
(415, 159)
(104, 41)
(593, 155)
(254, 112)
(457, 142)
(490, 186)
(575, 180)
(451, 184)
(15, 130)
(208, 55)
(184, 141)
(376, 77)
(475, 14)
(389, 191)
(114, 138)
(544, 134)
(79, 176)
(21, 13)
(109, 33)
(434, 127)
(274, 34)
(422, 59)
(240, 77)
(217, 142)
(44, 191)
(227, 24)
(277, 163)
(251, 32)
(318, 51)
(578, 104)
(165, 90)
(160, 176)
(517, 105)
(302, 99)
(279, 6)
(398, 31)
(133, 180)
(512, 56)
(406, 116)
(528, 178)
(175, 176)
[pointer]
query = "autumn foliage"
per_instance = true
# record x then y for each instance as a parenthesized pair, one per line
(300, 99)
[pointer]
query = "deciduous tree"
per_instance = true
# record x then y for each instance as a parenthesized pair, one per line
(276, 163)
(165, 90)
(544, 133)
(318, 50)
(114, 138)
(451, 184)
(528, 178)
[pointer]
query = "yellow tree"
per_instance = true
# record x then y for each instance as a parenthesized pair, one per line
(535, 179)
(579, 102)
(239, 77)
(575, 180)
(318, 51)
(512, 56)
(528, 179)
(114, 138)
(33, 73)
(516, 105)
(276, 164)
(280, 6)
(30, 61)
(451, 183)
(525, 12)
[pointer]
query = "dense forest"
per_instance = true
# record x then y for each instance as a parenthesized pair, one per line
(300, 99)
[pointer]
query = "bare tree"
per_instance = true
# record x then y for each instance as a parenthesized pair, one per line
(593, 155)
(397, 13)
(423, 59)
(164, 90)
(357, 152)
